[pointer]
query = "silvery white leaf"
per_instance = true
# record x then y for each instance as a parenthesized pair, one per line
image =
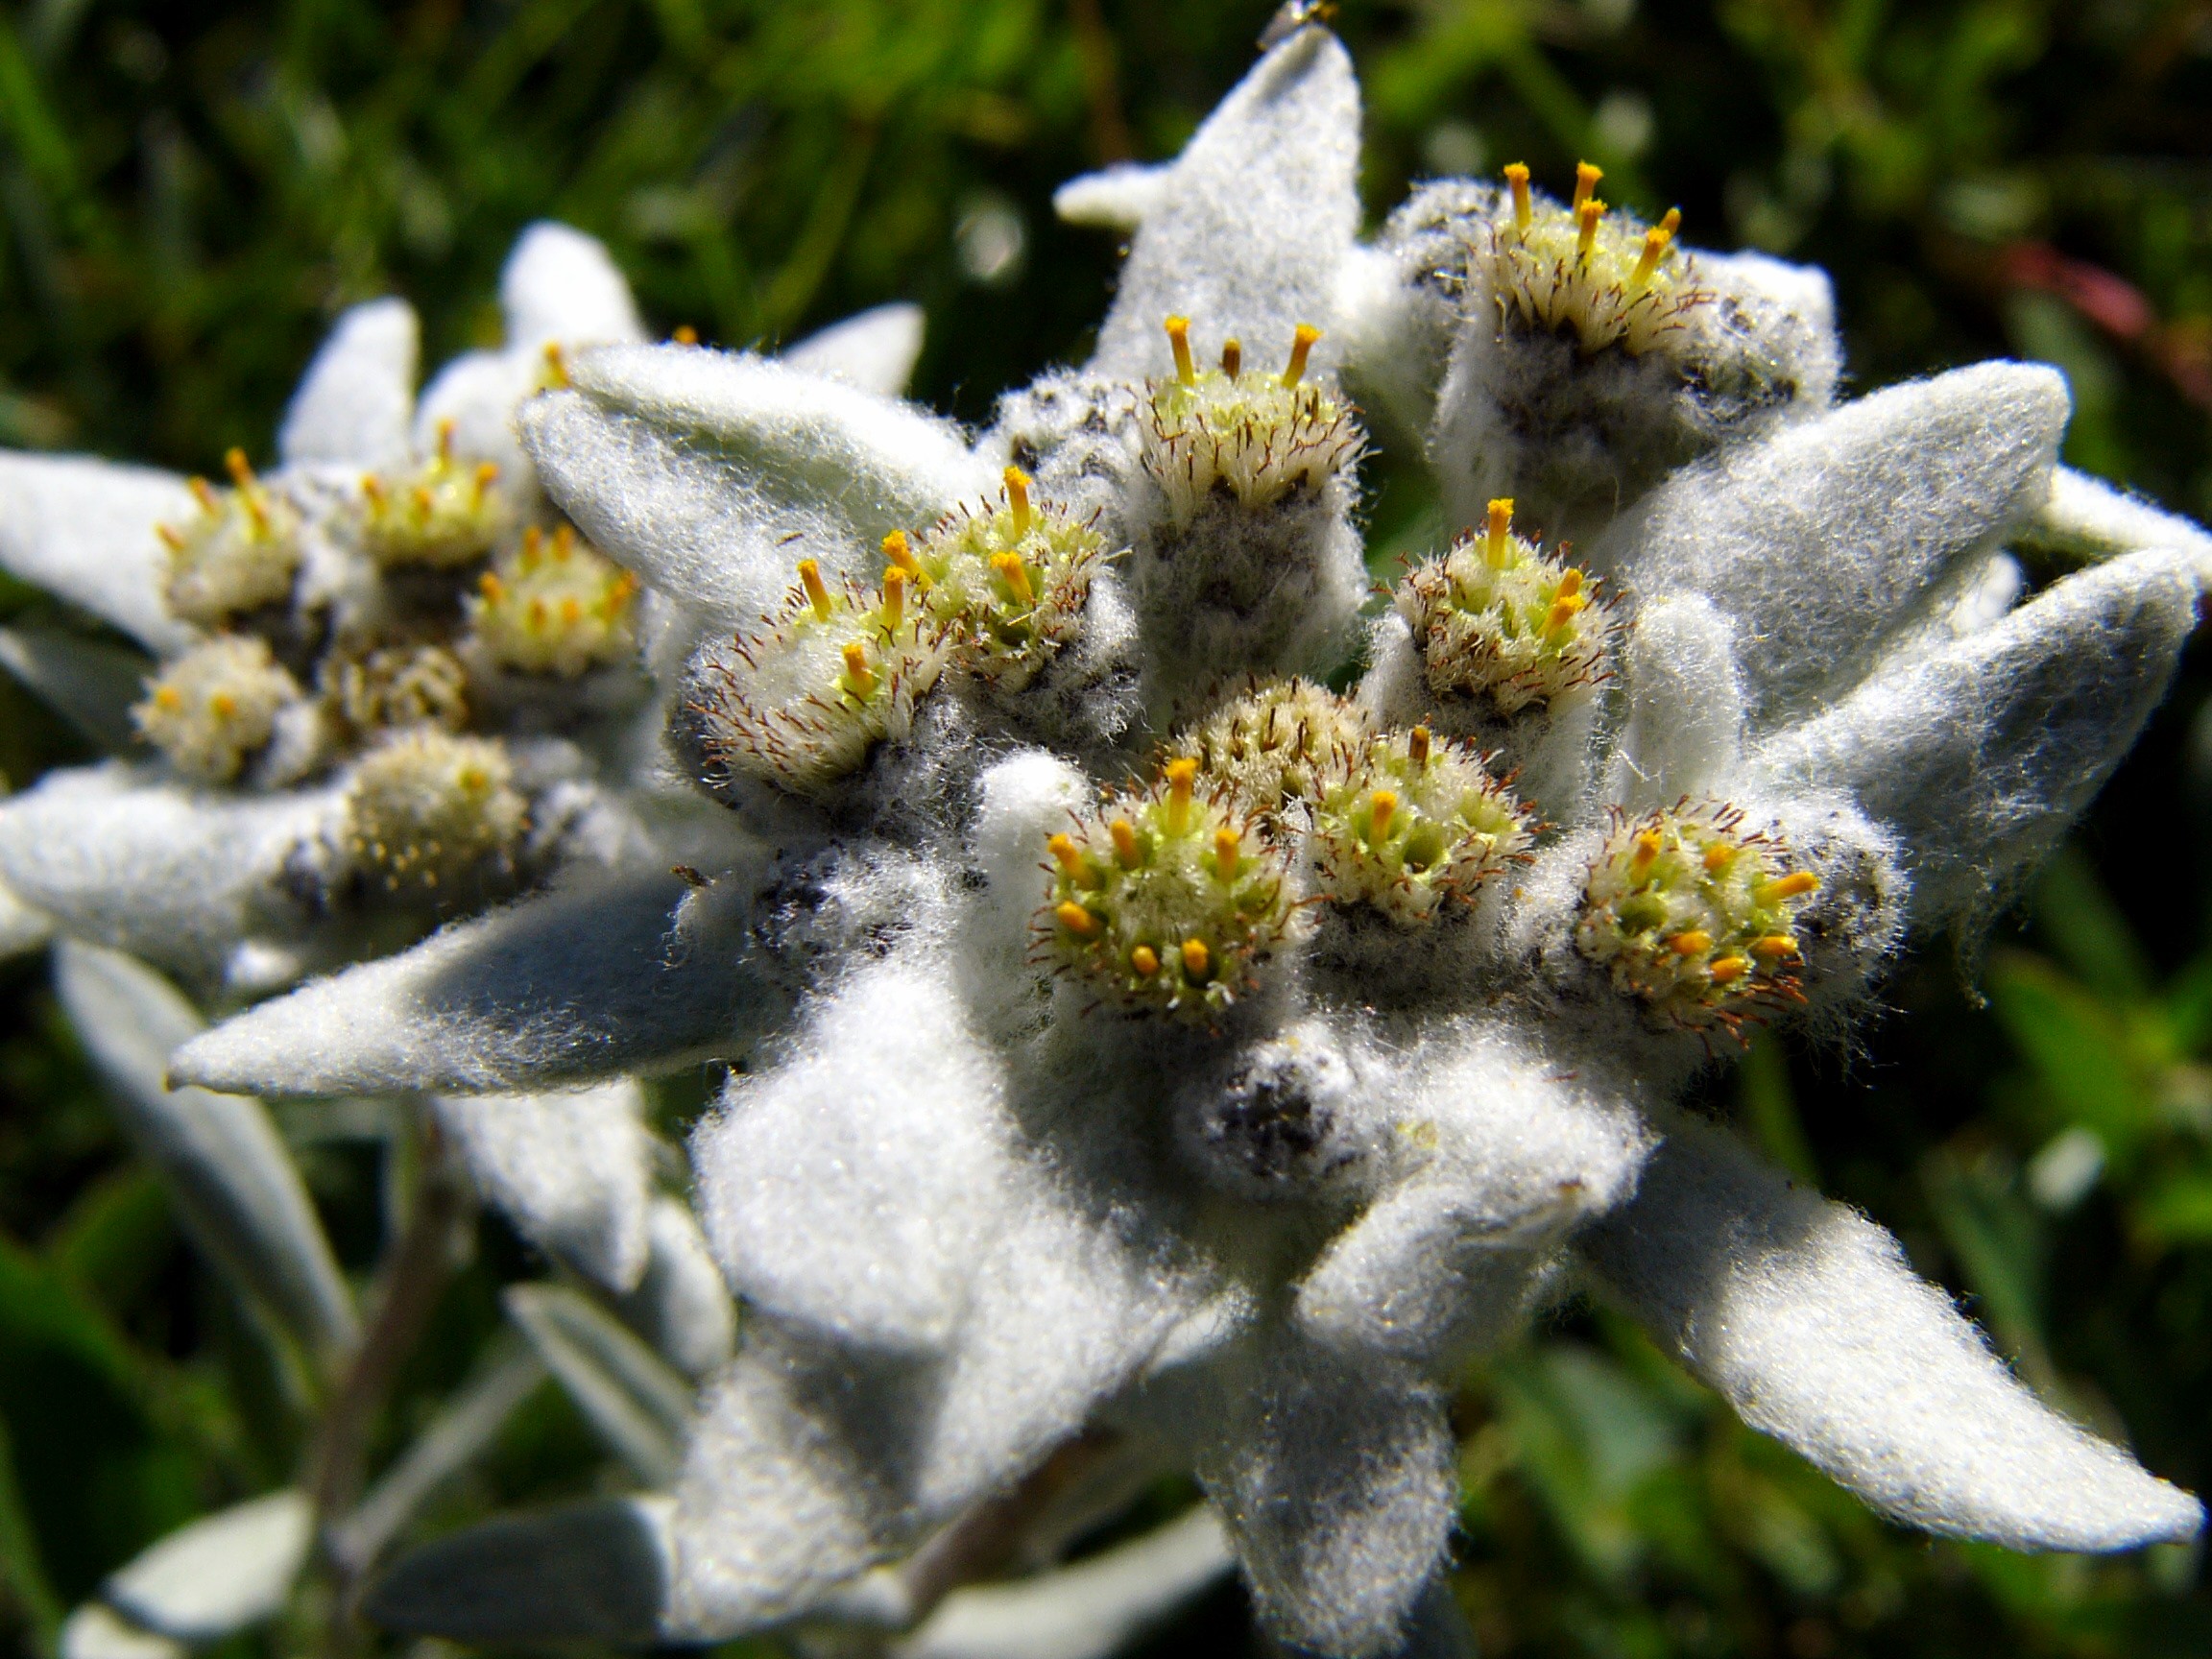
(1685, 703)
(22, 929)
(1805, 1316)
(1116, 198)
(1251, 220)
(221, 1573)
(85, 530)
(357, 399)
(94, 1632)
(558, 284)
(639, 1406)
(2088, 517)
(680, 1306)
(581, 983)
(1090, 1610)
(875, 351)
(571, 1170)
(235, 1187)
(90, 683)
(591, 1572)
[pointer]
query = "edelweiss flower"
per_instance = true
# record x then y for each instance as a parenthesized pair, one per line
(1105, 1074)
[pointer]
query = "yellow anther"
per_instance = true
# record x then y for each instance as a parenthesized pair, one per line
(1794, 885)
(564, 543)
(1586, 235)
(234, 464)
(859, 678)
(1145, 960)
(1232, 358)
(1586, 177)
(1692, 943)
(817, 592)
(1063, 848)
(1729, 969)
(171, 535)
(1018, 498)
(685, 335)
(1517, 176)
(487, 473)
(1382, 807)
(1719, 856)
(1495, 546)
(423, 501)
(168, 699)
(1302, 340)
(1227, 846)
(1179, 342)
(1009, 569)
(1673, 222)
(1649, 846)
(899, 554)
(204, 493)
(571, 610)
(1417, 745)
(1197, 960)
(1655, 242)
(556, 366)
(1564, 610)
(221, 704)
(893, 597)
(1075, 919)
(373, 487)
(1775, 946)
(1570, 583)
(1124, 836)
(446, 435)
(1181, 776)
(492, 587)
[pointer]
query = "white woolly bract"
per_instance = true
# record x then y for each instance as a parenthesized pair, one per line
(357, 398)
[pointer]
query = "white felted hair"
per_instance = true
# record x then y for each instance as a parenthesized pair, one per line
(558, 284)
(875, 351)
(2087, 515)
(1806, 1317)
(681, 1303)
(357, 403)
(85, 530)
(1116, 198)
(1685, 703)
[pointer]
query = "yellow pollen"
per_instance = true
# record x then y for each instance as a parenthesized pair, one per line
(556, 366)
(1730, 969)
(1179, 342)
(1570, 583)
(1586, 178)
(485, 472)
(857, 674)
(1501, 522)
(1181, 775)
(1018, 498)
(1586, 237)
(1232, 358)
(1382, 804)
(168, 699)
(1649, 846)
(1197, 960)
(1564, 610)
(1302, 340)
(1517, 176)
(817, 595)
(1227, 844)
(1673, 222)
(1719, 856)
(685, 335)
(1655, 242)
(1145, 960)
(234, 464)
(221, 704)
(1691, 943)
(1774, 944)
(1075, 919)
(1124, 836)
(1063, 848)
(893, 597)
(1417, 745)
(202, 493)
(445, 437)
(490, 586)
(1794, 885)
(571, 610)
(171, 536)
(563, 541)
(1009, 569)
(537, 615)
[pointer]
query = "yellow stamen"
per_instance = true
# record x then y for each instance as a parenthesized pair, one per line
(1729, 969)
(1494, 547)
(1124, 836)
(1181, 775)
(485, 472)
(1517, 176)
(1794, 885)
(1649, 846)
(492, 587)
(1197, 960)
(1075, 919)
(1383, 807)
(893, 597)
(1570, 583)
(373, 487)
(685, 335)
(1673, 222)
(556, 366)
(1232, 358)
(1179, 342)
(446, 435)
(170, 535)
(1586, 237)
(1009, 569)
(1417, 745)
(168, 698)
(1776, 946)
(1145, 960)
(1719, 856)
(1302, 340)
(1227, 845)
(817, 593)
(564, 543)
(423, 501)
(204, 493)
(858, 676)
(1018, 498)
(900, 556)
(571, 612)
(221, 704)
(1063, 848)
(234, 464)
(1586, 178)
(1655, 242)
(1564, 610)
(1692, 943)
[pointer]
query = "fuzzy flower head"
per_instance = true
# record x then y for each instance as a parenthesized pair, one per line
(236, 554)
(1574, 271)
(215, 706)
(439, 514)
(554, 606)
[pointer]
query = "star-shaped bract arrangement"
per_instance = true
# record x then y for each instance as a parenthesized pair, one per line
(1157, 1040)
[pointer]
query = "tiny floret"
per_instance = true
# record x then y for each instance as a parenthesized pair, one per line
(1271, 746)
(238, 554)
(443, 513)
(1589, 273)
(1696, 914)
(554, 606)
(426, 811)
(1165, 900)
(1407, 822)
(1256, 436)
(215, 706)
(393, 688)
(1499, 619)
(1007, 586)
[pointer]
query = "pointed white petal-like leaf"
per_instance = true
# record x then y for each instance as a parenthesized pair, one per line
(357, 401)
(571, 1169)
(477, 393)
(583, 983)
(1090, 1610)
(1116, 198)
(87, 530)
(1981, 753)
(1806, 1316)
(177, 875)
(1685, 703)
(1337, 1479)
(235, 1187)
(558, 284)
(22, 929)
(1821, 538)
(680, 1305)
(1252, 221)
(97, 1631)
(593, 1572)
(221, 1573)
(636, 1404)
(90, 682)
(2088, 517)
(875, 351)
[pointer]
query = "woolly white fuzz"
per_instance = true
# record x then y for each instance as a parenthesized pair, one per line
(875, 351)
(356, 403)
(85, 530)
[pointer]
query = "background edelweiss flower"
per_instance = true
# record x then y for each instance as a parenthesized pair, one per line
(975, 1219)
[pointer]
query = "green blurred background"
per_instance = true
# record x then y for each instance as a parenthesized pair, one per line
(190, 191)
